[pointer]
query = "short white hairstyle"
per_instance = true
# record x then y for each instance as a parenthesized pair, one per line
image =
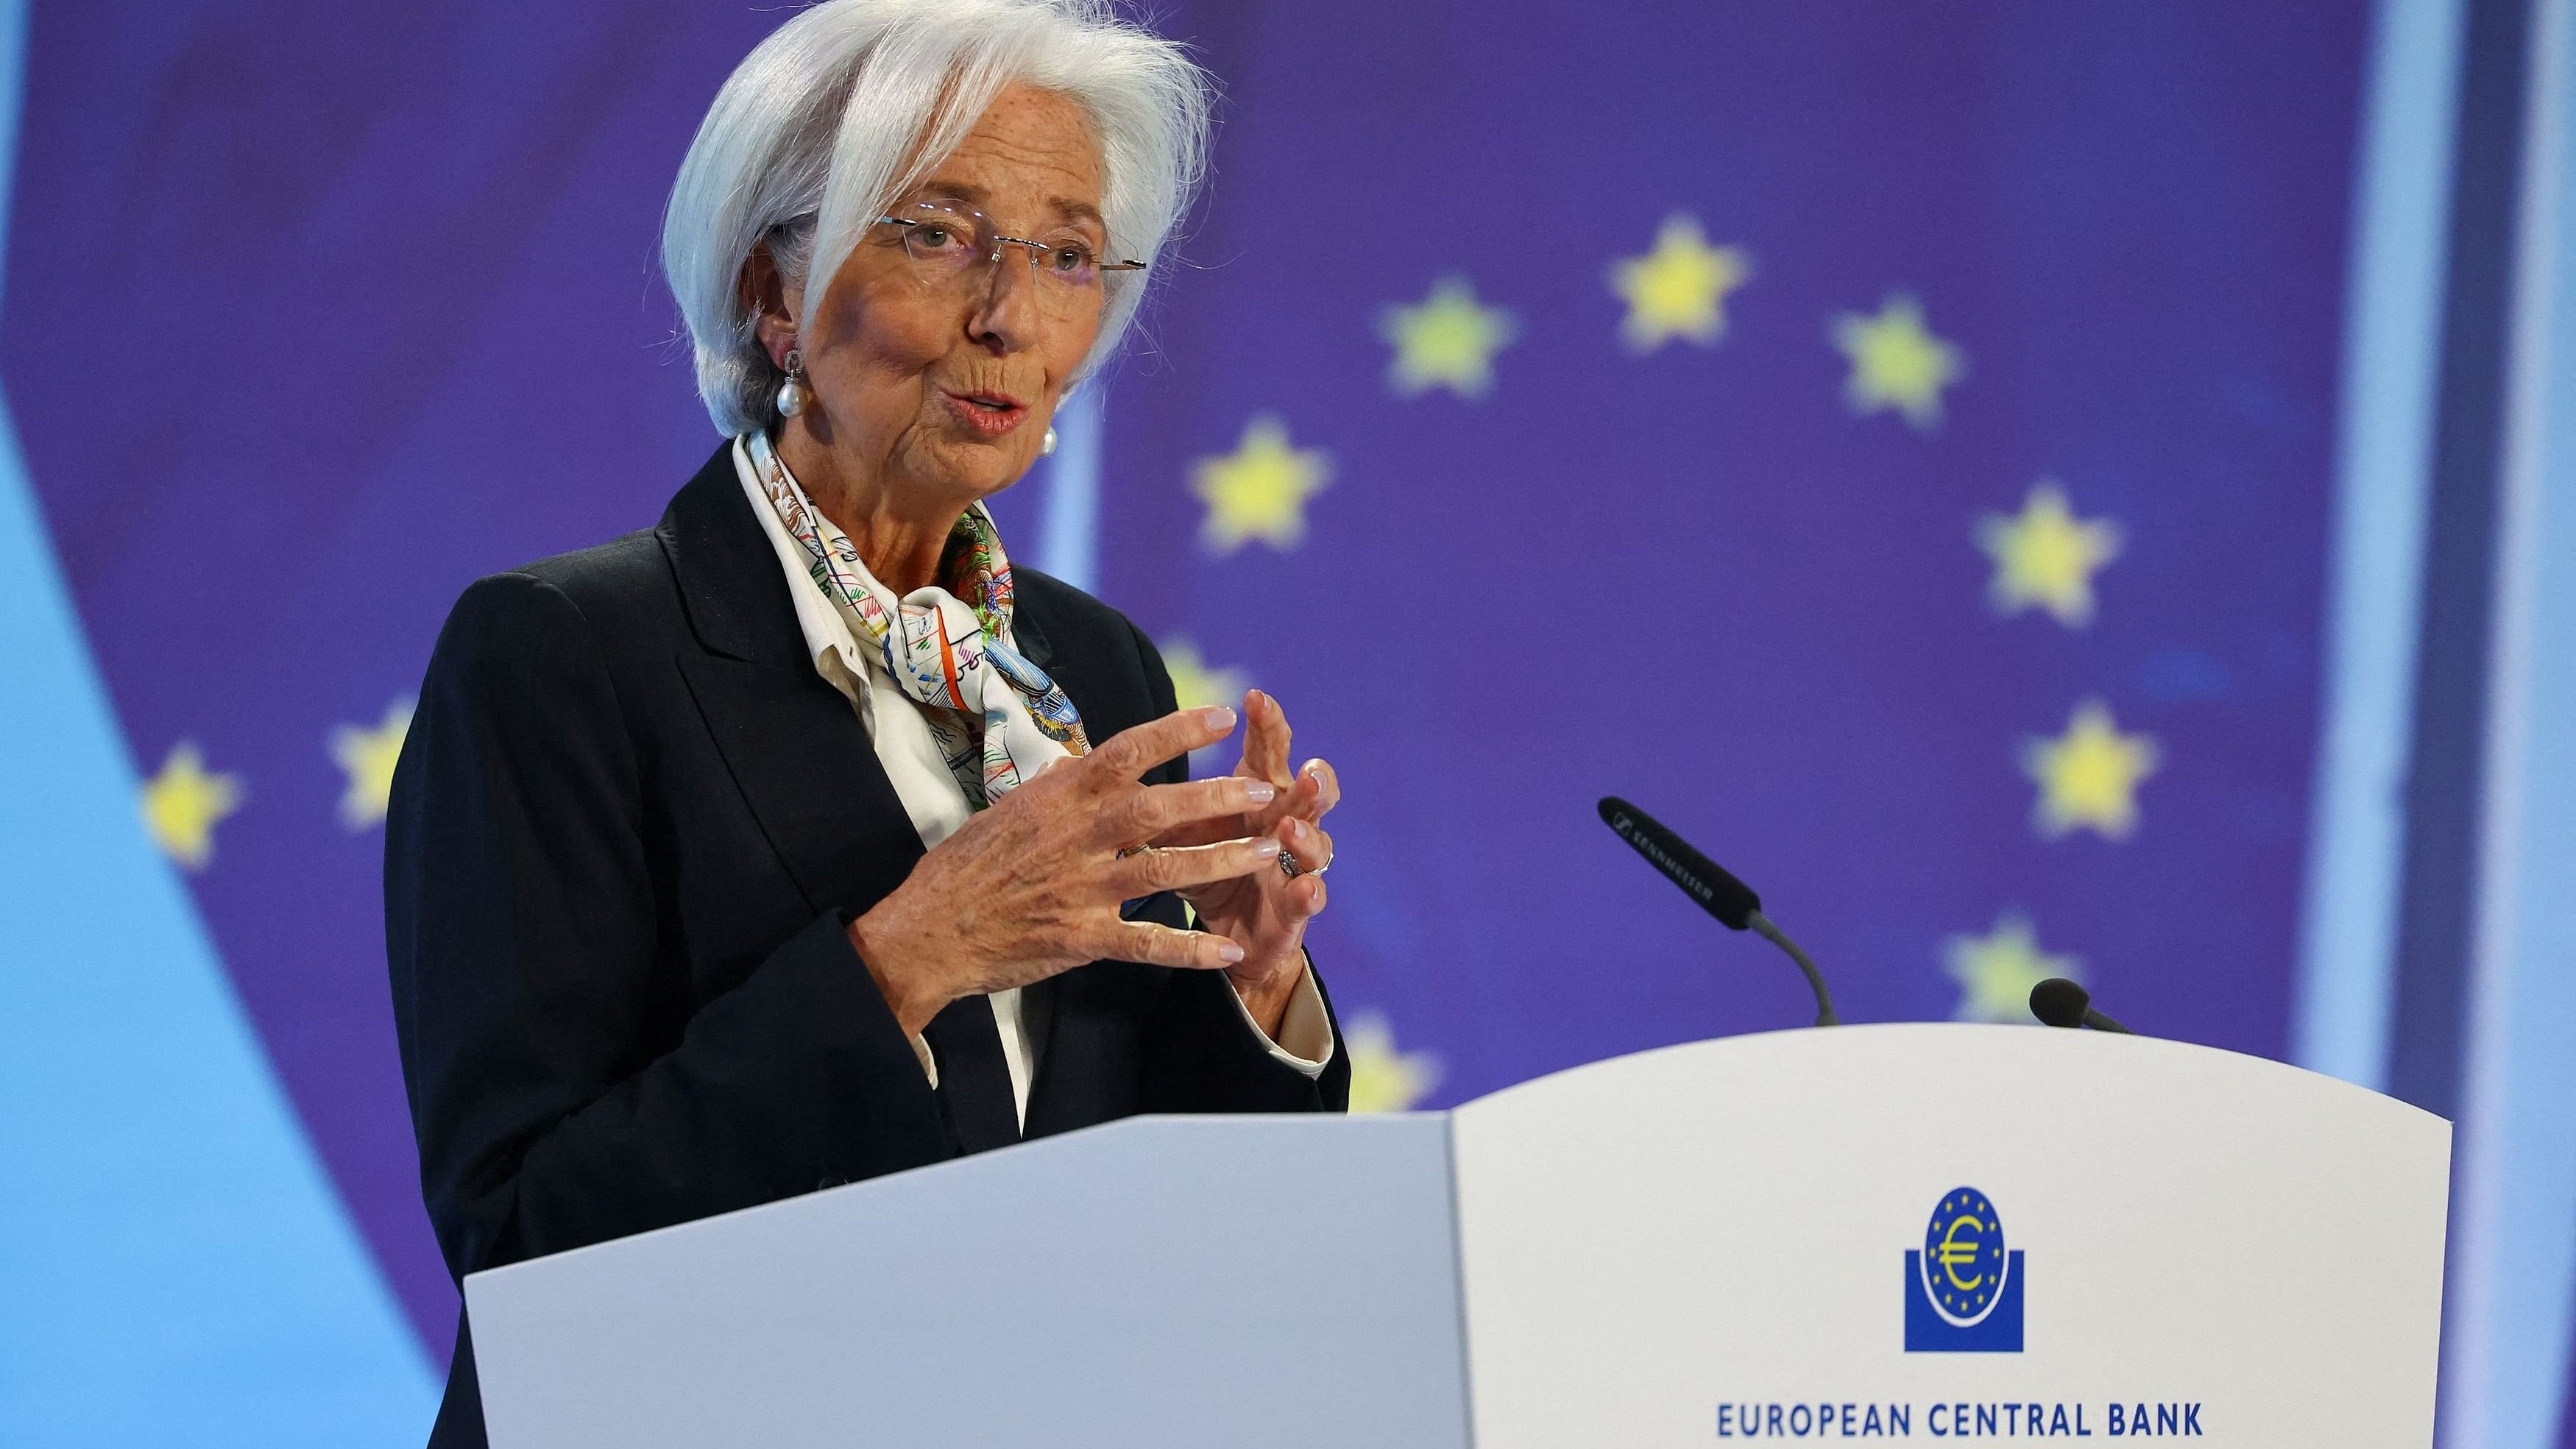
(808, 144)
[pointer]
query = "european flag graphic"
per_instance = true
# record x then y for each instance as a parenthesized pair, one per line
(1895, 444)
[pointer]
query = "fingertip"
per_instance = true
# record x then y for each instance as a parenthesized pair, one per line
(1227, 951)
(1219, 718)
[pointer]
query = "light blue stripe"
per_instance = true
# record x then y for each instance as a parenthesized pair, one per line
(2383, 480)
(2514, 1264)
(174, 1265)
(1069, 530)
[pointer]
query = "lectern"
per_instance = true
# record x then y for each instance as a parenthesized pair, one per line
(1902, 1232)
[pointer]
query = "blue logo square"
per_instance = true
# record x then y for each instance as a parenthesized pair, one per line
(1926, 1331)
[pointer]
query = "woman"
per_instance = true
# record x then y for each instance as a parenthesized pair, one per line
(802, 839)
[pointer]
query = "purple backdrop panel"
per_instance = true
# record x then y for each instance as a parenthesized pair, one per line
(313, 317)
(1699, 574)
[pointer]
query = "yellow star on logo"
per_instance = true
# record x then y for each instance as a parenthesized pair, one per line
(1260, 489)
(368, 756)
(1996, 971)
(183, 804)
(2045, 555)
(1896, 362)
(1197, 686)
(1382, 1078)
(1679, 289)
(2088, 775)
(1448, 341)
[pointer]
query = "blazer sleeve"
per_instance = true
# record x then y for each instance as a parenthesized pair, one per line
(562, 1089)
(1200, 1053)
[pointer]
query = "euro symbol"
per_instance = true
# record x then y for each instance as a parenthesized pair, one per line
(1956, 1254)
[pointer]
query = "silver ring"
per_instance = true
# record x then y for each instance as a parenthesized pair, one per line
(1291, 867)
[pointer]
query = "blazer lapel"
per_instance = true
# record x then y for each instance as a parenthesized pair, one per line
(796, 749)
(1032, 634)
(1057, 1102)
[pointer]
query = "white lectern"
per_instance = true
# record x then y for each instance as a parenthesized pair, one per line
(1890, 1231)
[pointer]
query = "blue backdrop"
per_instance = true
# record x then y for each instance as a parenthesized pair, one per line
(1898, 446)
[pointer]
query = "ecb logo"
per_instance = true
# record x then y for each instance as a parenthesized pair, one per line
(1963, 1289)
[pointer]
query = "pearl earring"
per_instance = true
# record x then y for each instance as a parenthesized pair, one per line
(1046, 444)
(793, 394)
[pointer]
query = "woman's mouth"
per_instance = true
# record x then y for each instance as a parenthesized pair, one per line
(989, 413)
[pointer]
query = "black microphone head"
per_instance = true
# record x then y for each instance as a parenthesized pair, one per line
(2060, 1002)
(1721, 895)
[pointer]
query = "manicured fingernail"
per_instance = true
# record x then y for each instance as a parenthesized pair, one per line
(1260, 792)
(1217, 717)
(1266, 848)
(1228, 952)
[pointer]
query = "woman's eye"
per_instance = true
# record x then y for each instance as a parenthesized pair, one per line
(1069, 258)
(930, 236)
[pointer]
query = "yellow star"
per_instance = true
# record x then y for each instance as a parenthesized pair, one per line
(2089, 775)
(1678, 289)
(368, 755)
(1260, 489)
(1996, 971)
(183, 804)
(1896, 363)
(1195, 684)
(1449, 341)
(1382, 1078)
(2045, 555)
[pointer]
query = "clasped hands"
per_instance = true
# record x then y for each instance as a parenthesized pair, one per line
(1032, 886)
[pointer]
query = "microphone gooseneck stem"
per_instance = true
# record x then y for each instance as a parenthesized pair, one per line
(1762, 927)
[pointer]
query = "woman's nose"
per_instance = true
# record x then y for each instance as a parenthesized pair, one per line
(1007, 315)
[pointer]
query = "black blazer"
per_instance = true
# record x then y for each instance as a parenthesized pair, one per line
(628, 827)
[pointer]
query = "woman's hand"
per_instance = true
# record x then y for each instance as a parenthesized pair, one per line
(1265, 911)
(1031, 886)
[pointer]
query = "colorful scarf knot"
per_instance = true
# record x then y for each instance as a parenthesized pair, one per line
(936, 643)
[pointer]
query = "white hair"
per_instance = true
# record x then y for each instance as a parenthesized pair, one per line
(808, 144)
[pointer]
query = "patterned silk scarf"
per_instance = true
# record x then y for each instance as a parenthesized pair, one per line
(998, 718)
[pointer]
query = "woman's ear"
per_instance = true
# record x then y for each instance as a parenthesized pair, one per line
(772, 306)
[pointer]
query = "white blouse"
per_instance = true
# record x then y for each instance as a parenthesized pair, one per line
(937, 803)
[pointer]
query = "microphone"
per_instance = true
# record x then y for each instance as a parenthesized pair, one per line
(2061, 1002)
(1718, 893)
